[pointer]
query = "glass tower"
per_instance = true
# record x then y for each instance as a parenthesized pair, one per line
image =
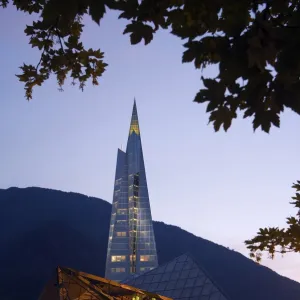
(131, 243)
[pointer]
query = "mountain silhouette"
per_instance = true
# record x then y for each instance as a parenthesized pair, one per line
(43, 228)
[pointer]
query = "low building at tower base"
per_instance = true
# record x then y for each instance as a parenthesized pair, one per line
(70, 284)
(183, 278)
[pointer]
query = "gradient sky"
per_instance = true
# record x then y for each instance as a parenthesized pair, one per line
(220, 186)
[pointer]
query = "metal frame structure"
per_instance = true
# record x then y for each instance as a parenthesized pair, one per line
(74, 285)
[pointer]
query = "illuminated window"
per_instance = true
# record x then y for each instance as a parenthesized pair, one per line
(118, 270)
(132, 257)
(147, 258)
(121, 233)
(118, 258)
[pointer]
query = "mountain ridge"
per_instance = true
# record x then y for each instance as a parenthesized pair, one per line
(66, 229)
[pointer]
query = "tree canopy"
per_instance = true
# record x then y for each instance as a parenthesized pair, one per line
(275, 240)
(254, 43)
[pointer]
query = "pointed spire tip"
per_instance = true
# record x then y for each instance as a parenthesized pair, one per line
(134, 124)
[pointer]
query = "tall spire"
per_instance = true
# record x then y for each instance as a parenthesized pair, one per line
(131, 244)
(134, 124)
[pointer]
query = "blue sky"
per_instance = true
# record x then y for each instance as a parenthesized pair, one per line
(220, 186)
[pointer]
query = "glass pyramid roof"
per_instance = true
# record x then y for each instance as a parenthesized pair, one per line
(181, 278)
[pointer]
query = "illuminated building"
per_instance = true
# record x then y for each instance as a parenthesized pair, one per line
(182, 278)
(131, 245)
(69, 284)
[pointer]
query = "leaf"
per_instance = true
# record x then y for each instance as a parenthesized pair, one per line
(211, 106)
(222, 116)
(216, 119)
(97, 10)
(275, 119)
(191, 53)
(128, 8)
(138, 32)
(29, 30)
(248, 113)
(135, 38)
(188, 56)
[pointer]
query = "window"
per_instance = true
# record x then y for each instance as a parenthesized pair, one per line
(136, 180)
(121, 233)
(132, 258)
(147, 258)
(118, 270)
(118, 181)
(120, 246)
(122, 211)
(144, 234)
(121, 222)
(118, 258)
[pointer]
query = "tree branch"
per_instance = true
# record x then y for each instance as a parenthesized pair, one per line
(60, 40)
(44, 48)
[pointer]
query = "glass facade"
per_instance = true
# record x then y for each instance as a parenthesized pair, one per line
(131, 243)
(181, 278)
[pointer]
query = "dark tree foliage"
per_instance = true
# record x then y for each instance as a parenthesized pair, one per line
(275, 240)
(255, 44)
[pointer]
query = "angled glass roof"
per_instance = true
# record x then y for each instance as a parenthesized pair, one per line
(181, 278)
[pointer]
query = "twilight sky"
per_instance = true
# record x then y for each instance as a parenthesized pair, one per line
(220, 186)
